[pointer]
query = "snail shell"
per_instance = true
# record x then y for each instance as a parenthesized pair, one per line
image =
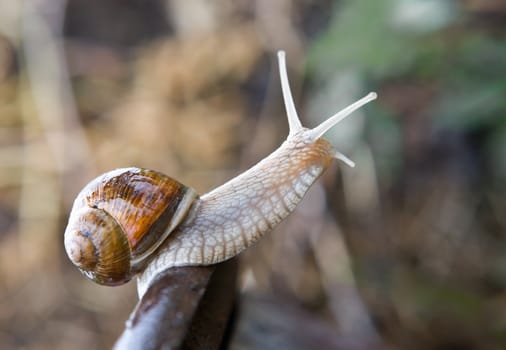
(120, 218)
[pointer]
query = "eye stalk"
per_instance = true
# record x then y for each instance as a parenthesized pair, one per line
(314, 134)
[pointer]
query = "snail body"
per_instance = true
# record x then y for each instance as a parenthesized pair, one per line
(218, 225)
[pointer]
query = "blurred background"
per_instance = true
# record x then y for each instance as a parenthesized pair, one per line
(405, 251)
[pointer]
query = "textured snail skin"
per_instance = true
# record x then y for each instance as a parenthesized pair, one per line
(235, 215)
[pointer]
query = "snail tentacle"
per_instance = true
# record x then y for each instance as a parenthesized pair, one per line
(314, 134)
(318, 131)
(291, 112)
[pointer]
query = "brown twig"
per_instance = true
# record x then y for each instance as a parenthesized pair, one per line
(185, 308)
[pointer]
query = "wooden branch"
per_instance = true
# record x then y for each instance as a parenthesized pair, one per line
(185, 308)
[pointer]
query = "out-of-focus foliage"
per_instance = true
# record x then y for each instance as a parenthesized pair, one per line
(429, 251)
(191, 88)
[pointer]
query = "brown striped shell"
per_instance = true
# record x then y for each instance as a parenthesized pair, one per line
(120, 218)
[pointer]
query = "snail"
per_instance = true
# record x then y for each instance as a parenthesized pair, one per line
(134, 221)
